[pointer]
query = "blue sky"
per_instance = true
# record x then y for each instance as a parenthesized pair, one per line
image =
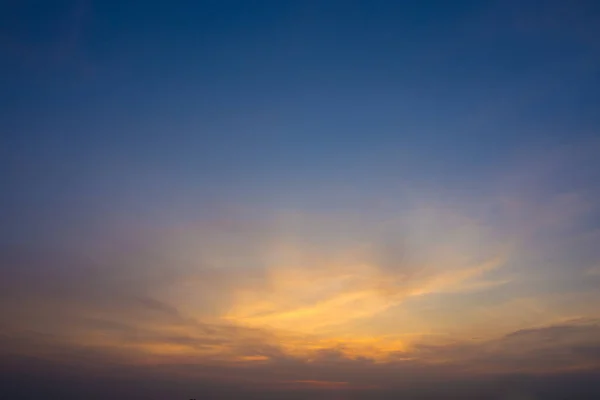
(381, 176)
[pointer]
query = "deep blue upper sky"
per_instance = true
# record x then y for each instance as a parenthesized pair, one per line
(140, 106)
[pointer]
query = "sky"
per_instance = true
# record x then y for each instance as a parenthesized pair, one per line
(300, 199)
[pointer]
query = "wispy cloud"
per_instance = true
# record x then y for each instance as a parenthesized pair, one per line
(440, 288)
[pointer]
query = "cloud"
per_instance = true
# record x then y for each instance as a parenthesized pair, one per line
(290, 286)
(298, 298)
(314, 290)
(514, 363)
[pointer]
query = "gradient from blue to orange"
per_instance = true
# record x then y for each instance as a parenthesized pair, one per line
(299, 197)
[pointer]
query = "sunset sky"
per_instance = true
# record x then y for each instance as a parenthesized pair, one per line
(300, 199)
